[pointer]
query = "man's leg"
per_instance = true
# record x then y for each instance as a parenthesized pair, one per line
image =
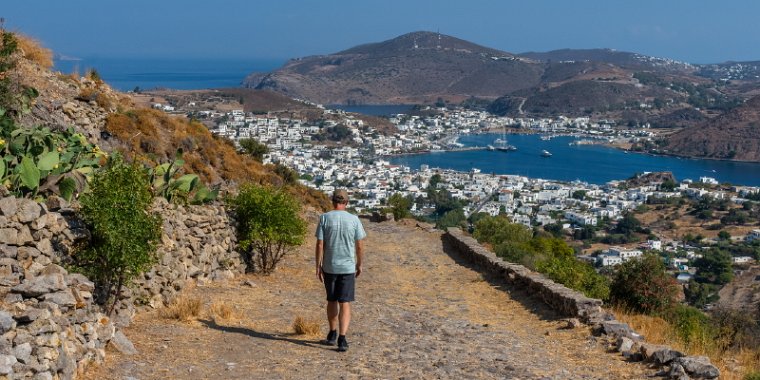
(345, 320)
(332, 315)
(345, 317)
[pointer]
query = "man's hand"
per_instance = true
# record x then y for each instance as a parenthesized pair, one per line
(320, 274)
(358, 269)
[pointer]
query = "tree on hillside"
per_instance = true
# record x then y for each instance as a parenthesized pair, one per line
(498, 229)
(435, 179)
(579, 194)
(628, 224)
(714, 267)
(400, 206)
(124, 233)
(644, 285)
(254, 148)
(268, 225)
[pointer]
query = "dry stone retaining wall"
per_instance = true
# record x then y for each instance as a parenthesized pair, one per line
(573, 304)
(50, 326)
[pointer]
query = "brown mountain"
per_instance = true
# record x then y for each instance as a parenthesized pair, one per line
(734, 134)
(425, 67)
(414, 68)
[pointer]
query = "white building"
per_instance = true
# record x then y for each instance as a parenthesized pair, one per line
(581, 218)
(625, 253)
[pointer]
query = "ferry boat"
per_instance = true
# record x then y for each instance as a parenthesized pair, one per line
(502, 145)
(545, 153)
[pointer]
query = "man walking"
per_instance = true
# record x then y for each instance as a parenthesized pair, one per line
(339, 253)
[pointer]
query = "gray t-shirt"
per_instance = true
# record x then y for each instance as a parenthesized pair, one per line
(339, 230)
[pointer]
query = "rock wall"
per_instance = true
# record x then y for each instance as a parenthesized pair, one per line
(573, 304)
(565, 301)
(50, 326)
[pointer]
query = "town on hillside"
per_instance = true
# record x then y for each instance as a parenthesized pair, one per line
(341, 150)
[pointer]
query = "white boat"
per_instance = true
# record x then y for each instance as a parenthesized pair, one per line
(502, 145)
(545, 153)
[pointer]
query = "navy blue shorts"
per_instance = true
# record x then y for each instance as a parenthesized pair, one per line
(339, 287)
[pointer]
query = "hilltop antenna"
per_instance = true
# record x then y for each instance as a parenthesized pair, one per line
(439, 39)
(415, 43)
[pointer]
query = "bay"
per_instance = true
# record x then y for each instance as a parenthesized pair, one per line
(595, 164)
(375, 110)
(180, 74)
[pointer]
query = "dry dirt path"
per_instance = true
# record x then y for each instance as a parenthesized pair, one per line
(420, 313)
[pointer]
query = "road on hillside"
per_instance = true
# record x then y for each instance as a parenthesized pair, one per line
(421, 313)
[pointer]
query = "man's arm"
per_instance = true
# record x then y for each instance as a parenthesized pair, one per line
(359, 256)
(318, 253)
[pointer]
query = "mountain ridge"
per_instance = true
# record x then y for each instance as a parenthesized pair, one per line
(428, 67)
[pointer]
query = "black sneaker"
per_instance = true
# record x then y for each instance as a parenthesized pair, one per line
(342, 344)
(332, 337)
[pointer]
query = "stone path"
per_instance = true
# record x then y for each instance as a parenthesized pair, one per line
(420, 313)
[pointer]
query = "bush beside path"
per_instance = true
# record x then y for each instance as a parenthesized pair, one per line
(420, 313)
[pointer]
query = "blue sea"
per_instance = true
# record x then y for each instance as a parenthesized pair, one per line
(180, 74)
(384, 110)
(588, 163)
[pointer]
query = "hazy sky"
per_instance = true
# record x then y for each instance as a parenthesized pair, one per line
(697, 31)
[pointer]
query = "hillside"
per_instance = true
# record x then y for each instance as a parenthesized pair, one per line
(734, 134)
(413, 68)
(111, 120)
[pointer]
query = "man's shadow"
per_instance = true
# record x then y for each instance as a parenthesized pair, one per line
(262, 335)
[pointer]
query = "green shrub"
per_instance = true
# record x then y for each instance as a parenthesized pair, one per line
(496, 230)
(559, 264)
(550, 256)
(268, 225)
(124, 234)
(254, 148)
(691, 325)
(643, 285)
(400, 206)
(752, 376)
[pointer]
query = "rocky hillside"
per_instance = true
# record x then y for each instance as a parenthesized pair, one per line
(114, 122)
(732, 135)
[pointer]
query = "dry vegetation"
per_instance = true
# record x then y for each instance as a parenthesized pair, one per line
(183, 309)
(34, 51)
(734, 364)
(221, 312)
(152, 136)
(302, 326)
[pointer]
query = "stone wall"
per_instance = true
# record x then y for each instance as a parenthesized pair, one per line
(565, 301)
(573, 304)
(50, 326)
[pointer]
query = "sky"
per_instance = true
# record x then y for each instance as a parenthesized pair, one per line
(695, 31)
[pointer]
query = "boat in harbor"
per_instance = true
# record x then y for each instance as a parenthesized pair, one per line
(502, 145)
(545, 153)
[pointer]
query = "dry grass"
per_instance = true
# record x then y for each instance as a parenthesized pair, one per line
(302, 326)
(733, 364)
(34, 51)
(87, 94)
(152, 136)
(221, 311)
(183, 309)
